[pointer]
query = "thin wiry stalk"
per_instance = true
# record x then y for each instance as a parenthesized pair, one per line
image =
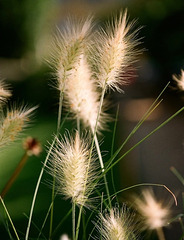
(48, 212)
(95, 140)
(36, 189)
(154, 105)
(14, 175)
(60, 110)
(14, 229)
(147, 184)
(160, 233)
(112, 150)
(78, 125)
(177, 174)
(54, 180)
(132, 133)
(102, 167)
(61, 222)
(110, 165)
(73, 220)
(78, 223)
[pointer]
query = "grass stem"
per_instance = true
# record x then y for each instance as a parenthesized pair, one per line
(14, 175)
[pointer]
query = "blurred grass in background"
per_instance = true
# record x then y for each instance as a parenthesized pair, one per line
(26, 28)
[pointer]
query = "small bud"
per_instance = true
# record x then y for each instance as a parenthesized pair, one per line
(32, 146)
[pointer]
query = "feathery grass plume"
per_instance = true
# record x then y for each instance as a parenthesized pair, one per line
(4, 92)
(82, 95)
(116, 224)
(115, 53)
(154, 214)
(179, 79)
(73, 169)
(68, 46)
(12, 124)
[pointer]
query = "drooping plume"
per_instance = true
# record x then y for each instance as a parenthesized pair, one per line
(73, 169)
(116, 52)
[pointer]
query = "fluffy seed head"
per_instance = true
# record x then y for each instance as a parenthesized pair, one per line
(179, 79)
(116, 52)
(73, 169)
(116, 225)
(82, 96)
(69, 45)
(4, 92)
(12, 124)
(154, 214)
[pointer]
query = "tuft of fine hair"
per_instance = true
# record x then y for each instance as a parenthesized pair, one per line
(116, 224)
(74, 169)
(116, 52)
(67, 48)
(82, 96)
(179, 79)
(153, 214)
(4, 92)
(13, 123)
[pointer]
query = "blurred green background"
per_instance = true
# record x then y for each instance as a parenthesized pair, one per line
(26, 28)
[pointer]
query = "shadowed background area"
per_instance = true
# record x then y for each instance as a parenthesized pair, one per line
(26, 29)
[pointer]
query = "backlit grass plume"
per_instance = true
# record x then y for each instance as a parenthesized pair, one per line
(82, 95)
(69, 46)
(13, 122)
(73, 169)
(179, 79)
(4, 92)
(115, 52)
(154, 214)
(116, 224)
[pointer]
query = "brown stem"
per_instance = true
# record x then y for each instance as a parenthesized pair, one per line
(14, 175)
(160, 234)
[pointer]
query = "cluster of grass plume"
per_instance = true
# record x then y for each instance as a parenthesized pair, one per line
(86, 64)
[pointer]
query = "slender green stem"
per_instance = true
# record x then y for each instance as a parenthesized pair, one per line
(61, 222)
(59, 111)
(78, 223)
(110, 164)
(177, 174)
(78, 125)
(36, 189)
(73, 220)
(47, 215)
(9, 218)
(84, 226)
(54, 180)
(95, 140)
(102, 167)
(52, 207)
(160, 234)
